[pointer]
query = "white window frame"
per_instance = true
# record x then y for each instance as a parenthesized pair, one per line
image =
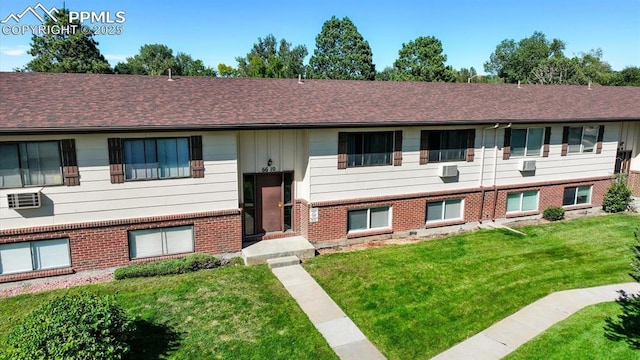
(368, 228)
(359, 158)
(526, 142)
(164, 245)
(24, 170)
(35, 255)
(521, 195)
(575, 196)
(582, 147)
(444, 210)
(146, 170)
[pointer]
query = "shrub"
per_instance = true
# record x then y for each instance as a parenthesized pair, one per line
(618, 196)
(553, 213)
(73, 326)
(193, 262)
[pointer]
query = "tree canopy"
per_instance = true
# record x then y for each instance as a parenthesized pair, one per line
(156, 59)
(422, 60)
(272, 59)
(70, 52)
(341, 53)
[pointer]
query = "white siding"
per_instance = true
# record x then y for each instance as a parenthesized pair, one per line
(97, 199)
(630, 140)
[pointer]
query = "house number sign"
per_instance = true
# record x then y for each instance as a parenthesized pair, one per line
(313, 215)
(268, 169)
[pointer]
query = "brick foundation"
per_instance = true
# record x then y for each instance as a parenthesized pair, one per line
(634, 182)
(106, 244)
(409, 212)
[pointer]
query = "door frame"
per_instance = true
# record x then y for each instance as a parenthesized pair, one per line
(251, 200)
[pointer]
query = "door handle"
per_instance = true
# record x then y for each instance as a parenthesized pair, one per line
(280, 204)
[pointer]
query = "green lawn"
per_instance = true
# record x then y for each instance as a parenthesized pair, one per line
(578, 337)
(415, 301)
(227, 313)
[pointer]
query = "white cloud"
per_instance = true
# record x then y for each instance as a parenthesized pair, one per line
(18, 50)
(115, 57)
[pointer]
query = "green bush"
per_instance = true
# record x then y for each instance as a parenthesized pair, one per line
(553, 213)
(618, 197)
(73, 326)
(193, 262)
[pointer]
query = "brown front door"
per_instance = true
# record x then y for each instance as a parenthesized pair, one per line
(269, 202)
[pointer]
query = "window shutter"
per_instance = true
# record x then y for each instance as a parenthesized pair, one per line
(424, 147)
(197, 160)
(565, 141)
(600, 137)
(116, 168)
(547, 141)
(342, 150)
(70, 163)
(397, 148)
(506, 149)
(471, 144)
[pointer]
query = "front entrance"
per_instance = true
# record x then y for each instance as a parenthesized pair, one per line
(623, 161)
(268, 203)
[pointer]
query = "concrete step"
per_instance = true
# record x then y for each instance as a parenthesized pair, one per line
(264, 250)
(283, 261)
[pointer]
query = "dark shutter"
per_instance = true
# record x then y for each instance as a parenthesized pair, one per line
(116, 167)
(342, 150)
(197, 161)
(600, 137)
(70, 163)
(424, 147)
(471, 143)
(565, 141)
(506, 149)
(547, 141)
(397, 148)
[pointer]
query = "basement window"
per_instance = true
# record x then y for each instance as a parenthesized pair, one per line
(367, 219)
(34, 255)
(159, 242)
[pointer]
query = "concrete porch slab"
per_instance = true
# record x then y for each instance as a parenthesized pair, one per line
(260, 252)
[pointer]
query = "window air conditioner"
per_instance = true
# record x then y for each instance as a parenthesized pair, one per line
(527, 165)
(448, 171)
(24, 200)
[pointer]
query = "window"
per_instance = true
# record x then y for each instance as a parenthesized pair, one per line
(450, 209)
(522, 201)
(582, 139)
(30, 164)
(369, 149)
(158, 242)
(527, 142)
(372, 218)
(34, 255)
(576, 195)
(156, 158)
(447, 145)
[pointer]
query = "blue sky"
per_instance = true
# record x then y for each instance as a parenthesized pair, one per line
(218, 31)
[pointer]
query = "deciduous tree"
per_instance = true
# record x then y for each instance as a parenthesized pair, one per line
(272, 59)
(185, 65)
(74, 51)
(341, 53)
(153, 59)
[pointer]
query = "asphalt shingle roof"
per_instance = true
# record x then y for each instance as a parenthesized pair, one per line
(32, 102)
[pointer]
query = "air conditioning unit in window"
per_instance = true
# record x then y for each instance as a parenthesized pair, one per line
(527, 165)
(24, 200)
(447, 171)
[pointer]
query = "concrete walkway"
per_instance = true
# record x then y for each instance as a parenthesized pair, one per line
(508, 334)
(341, 333)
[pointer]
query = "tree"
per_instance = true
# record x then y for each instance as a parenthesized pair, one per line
(557, 71)
(225, 70)
(516, 61)
(422, 60)
(74, 51)
(272, 59)
(185, 65)
(626, 326)
(388, 74)
(594, 69)
(153, 59)
(629, 76)
(341, 53)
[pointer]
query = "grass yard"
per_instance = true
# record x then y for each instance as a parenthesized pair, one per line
(227, 313)
(415, 301)
(578, 337)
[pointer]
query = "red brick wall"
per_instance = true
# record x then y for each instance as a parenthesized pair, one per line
(106, 244)
(634, 182)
